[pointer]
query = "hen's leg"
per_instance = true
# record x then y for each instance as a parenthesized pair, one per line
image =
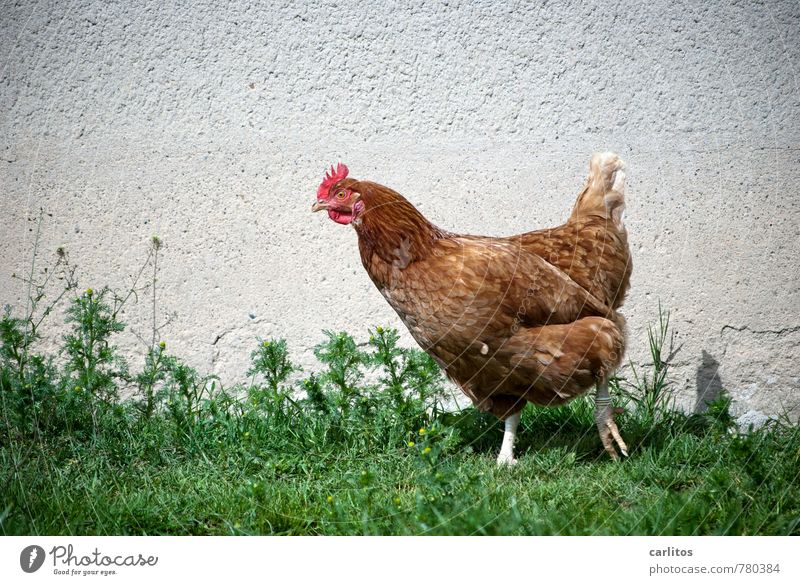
(604, 417)
(506, 456)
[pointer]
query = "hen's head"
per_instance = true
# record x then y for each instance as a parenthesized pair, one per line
(336, 195)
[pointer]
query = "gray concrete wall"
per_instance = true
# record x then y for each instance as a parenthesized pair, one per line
(210, 124)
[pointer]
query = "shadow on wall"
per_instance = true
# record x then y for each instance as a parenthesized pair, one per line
(709, 384)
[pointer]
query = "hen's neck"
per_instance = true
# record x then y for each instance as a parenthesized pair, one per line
(392, 228)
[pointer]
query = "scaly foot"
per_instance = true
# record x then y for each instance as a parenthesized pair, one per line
(609, 433)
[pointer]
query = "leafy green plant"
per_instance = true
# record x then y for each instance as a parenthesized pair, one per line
(410, 377)
(185, 391)
(93, 363)
(156, 364)
(343, 360)
(270, 360)
(13, 344)
(270, 363)
(28, 382)
(156, 368)
(315, 399)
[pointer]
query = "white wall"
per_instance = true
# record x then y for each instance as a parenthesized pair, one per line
(210, 124)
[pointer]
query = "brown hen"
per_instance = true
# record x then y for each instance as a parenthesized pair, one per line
(526, 318)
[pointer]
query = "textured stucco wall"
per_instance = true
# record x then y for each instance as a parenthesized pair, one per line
(210, 124)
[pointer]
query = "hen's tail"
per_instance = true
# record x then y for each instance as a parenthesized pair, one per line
(604, 193)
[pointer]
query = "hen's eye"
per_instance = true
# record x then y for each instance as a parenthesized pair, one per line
(341, 195)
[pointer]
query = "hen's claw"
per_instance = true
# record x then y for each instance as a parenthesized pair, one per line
(604, 418)
(609, 434)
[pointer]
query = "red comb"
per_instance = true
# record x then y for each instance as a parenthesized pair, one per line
(332, 177)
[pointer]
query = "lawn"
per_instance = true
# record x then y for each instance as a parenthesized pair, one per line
(305, 474)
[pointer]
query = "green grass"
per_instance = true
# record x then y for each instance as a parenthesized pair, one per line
(678, 480)
(340, 452)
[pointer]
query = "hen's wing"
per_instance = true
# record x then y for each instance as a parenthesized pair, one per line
(474, 288)
(589, 252)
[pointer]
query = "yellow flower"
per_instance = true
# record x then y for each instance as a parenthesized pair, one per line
(422, 431)
(411, 443)
(246, 434)
(379, 329)
(265, 344)
(397, 501)
(162, 344)
(89, 292)
(426, 450)
(330, 499)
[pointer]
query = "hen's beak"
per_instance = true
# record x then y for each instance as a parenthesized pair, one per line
(319, 206)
